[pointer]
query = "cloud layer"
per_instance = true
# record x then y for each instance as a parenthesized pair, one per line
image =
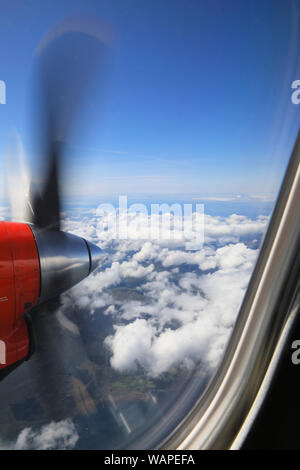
(185, 302)
(59, 435)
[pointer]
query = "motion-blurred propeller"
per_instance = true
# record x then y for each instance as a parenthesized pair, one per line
(65, 64)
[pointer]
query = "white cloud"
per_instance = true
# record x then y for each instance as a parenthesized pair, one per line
(59, 435)
(188, 300)
(131, 343)
(203, 307)
(98, 229)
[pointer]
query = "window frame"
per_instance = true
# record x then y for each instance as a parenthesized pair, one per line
(222, 416)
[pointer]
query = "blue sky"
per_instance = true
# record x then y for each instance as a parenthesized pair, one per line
(196, 100)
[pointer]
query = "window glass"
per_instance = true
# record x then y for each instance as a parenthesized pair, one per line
(172, 167)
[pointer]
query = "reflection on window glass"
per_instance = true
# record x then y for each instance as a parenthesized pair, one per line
(173, 169)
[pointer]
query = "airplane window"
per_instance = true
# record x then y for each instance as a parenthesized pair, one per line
(175, 121)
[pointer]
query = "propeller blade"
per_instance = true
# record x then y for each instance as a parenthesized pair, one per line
(17, 180)
(65, 64)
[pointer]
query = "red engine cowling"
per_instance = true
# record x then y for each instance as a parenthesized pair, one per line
(19, 289)
(35, 265)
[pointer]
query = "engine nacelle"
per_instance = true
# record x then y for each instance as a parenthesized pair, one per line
(35, 265)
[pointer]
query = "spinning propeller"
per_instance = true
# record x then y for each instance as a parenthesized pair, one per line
(39, 261)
